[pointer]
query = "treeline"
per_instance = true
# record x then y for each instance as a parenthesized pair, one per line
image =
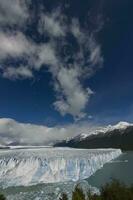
(112, 191)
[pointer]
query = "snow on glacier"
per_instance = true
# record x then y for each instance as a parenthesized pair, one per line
(50, 165)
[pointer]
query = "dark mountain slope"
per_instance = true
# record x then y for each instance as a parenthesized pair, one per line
(113, 138)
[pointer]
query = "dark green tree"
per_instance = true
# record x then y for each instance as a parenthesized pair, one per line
(64, 197)
(111, 191)
(2, 197)
(116, 191)
(78, 194)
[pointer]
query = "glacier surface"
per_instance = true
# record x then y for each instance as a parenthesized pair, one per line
(23, 167)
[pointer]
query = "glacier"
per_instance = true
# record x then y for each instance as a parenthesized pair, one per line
(24, 167)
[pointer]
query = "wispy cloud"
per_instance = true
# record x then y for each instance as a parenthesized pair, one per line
(52, 23)
(70, 53)
(21, 72)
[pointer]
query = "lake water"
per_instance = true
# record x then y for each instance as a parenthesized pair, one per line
(120, 168)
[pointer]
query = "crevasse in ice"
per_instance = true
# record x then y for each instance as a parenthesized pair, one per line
(50, 165)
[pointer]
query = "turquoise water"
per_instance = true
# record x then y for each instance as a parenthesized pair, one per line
(121, 169)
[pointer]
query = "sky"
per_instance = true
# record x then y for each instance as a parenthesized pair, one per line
(64, 63)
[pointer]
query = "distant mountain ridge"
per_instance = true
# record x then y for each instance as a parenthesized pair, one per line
(117, 136)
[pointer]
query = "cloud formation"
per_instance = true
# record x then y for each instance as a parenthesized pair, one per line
(14, 45)
(73, 97)
(13, 12)
(13, 132)
(52, 23)
(70, 53)
(17, 73)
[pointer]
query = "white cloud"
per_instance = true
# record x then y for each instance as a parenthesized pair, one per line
(13, 12)
(46, 55)
(95, 53)
(14, 45)
(76, 30)
(52, 23)
(12, 131)
(71, 96)
(16, 73)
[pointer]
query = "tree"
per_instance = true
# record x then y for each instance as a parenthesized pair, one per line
(111, 191)
(78, 194)
(64, 197)
(2, 197)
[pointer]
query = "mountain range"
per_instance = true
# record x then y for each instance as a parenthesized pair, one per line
(117, 136)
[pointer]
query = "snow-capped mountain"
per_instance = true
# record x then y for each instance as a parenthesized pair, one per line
(111, 136)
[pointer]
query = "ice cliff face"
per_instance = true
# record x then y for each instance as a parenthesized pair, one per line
(28, 167)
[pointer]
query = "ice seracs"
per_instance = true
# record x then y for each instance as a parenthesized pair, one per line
(34, 166)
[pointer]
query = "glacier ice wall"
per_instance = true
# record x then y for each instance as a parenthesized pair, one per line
(50, 165)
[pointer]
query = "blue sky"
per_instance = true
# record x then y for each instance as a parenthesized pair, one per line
(63, 61)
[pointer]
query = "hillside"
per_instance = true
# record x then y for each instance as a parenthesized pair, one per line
(118, 136)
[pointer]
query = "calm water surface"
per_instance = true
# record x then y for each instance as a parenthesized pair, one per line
(121, 169)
